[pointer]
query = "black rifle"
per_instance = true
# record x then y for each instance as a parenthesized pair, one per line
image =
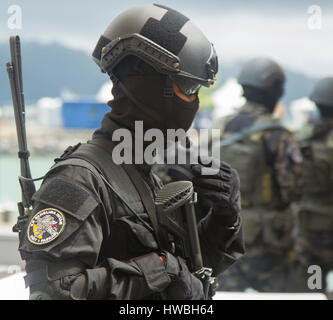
(179, 232)
(14, 69)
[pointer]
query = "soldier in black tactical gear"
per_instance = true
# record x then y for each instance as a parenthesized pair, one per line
(315, 211)
(91, 234)
(269, 165)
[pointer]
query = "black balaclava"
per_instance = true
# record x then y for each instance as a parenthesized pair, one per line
(148, 87)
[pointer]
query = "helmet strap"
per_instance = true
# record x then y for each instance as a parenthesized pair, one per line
(168, 97)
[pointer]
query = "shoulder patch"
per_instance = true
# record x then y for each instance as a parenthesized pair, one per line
(45, 226)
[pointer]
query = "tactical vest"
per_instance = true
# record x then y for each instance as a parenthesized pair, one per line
(246, 152)
(318, 170)
(315, 211)
(263, 227)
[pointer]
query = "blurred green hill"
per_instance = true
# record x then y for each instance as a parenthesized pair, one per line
(50, 69)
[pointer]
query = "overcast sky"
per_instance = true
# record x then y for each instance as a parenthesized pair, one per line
(239, 29)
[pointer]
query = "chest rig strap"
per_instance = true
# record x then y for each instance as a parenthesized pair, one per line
(97, 153)
(134, 178)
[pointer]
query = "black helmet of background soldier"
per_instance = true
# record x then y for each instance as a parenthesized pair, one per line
(263, 81)
(322, 96)
(172, 46)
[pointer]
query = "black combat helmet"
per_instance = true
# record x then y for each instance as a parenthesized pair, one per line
(265, 75)
(163, 38)
(322, 93)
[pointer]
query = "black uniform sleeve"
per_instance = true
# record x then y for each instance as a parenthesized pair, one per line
(62, 243)
(71, 193)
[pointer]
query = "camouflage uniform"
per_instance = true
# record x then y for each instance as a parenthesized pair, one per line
(269, 164)
(314, 244)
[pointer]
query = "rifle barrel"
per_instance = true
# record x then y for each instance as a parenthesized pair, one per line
(14, 69)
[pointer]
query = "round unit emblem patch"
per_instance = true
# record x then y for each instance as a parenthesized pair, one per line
(45, 226)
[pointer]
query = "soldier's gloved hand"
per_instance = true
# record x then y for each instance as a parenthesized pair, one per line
(184, 285)
(218, 187)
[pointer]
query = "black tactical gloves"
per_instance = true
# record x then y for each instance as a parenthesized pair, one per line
(184, 285)
(218, 187)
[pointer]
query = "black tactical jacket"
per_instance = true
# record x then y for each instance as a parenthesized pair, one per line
(79, 226)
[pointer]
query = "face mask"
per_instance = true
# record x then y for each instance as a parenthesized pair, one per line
(154, 111)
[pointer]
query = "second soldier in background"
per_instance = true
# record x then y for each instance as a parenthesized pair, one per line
(269, 164)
